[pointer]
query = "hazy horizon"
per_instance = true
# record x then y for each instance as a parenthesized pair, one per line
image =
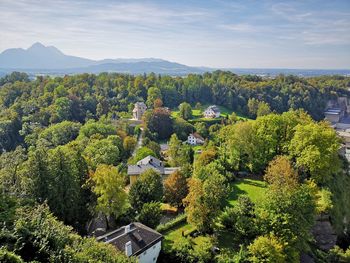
(219, 34)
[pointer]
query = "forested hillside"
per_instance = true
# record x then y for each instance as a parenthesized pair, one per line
(29, 106)
(65, 143)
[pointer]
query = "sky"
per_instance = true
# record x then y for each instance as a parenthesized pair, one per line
(233, 34)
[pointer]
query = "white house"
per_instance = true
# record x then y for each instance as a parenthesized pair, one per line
(139, 110)
(212, 111)
(195, 139)
(135, 240)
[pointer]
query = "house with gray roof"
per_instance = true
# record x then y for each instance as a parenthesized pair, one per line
(135, 240)
(212, 111)
(147, 163)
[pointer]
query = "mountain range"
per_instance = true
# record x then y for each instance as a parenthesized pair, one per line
(48, 59)
(39, 60)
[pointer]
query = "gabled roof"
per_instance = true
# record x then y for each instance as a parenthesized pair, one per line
(141, 237)
(214, 108)
(139, 169)
(197, 136)
(150, 160)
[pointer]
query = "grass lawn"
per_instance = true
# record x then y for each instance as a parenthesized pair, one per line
(255, 189)
(198, 113)
(175, 234)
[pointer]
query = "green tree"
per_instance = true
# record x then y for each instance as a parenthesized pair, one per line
(147, 188)
(185, 111)
(263, 109)
(241, 220)
(253, 105)
(129, 144)
(179, 154)
(153, 93)
(104, 151)
(61, 110)
(9, 257)
(315, 147)
(267, 249)
(201, 128)
(182, 128)
(92, 128)
(150, 214)
(38, 236)
(12, 179)
(289, 214)
(61, 133)
(204, 201)
(108, 185)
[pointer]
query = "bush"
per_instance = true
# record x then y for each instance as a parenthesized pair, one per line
(9, 257)
(162, 228)
(266, 249)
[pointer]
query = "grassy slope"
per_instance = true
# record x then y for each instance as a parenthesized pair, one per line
(255, 189)
(198, 114)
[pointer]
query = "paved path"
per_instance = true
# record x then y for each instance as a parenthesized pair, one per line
(139, 142)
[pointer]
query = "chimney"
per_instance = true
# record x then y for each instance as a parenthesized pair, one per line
(128, 249)
(127, 229)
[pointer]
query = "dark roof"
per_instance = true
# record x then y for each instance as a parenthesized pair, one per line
(142, 237)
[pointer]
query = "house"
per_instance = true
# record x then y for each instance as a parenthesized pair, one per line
(139, 110)
(212, 111)
(146, 163)
(136, 240)
(195, 139)
(333, 115)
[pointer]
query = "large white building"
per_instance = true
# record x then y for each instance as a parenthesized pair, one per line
(195, 139)
(212, 111)
(135, 240)
(139, 110)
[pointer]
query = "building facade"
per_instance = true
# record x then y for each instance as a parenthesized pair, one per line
(212, 111)
(195, 139)
(139, 110)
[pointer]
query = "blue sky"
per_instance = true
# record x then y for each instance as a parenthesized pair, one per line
(218, 33)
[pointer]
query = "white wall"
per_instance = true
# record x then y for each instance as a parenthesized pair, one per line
(151, 254)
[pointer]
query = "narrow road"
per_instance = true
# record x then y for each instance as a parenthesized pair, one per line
(139, 142)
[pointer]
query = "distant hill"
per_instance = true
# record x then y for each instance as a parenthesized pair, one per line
(50, 60)
(40, 57)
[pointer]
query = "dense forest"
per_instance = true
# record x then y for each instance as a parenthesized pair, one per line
(29, 106)
(65, 143)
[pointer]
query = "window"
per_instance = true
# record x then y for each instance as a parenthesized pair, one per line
(145, 252)
(154, 247)
(154, 259)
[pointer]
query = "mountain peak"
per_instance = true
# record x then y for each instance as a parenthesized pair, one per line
(36, 45)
